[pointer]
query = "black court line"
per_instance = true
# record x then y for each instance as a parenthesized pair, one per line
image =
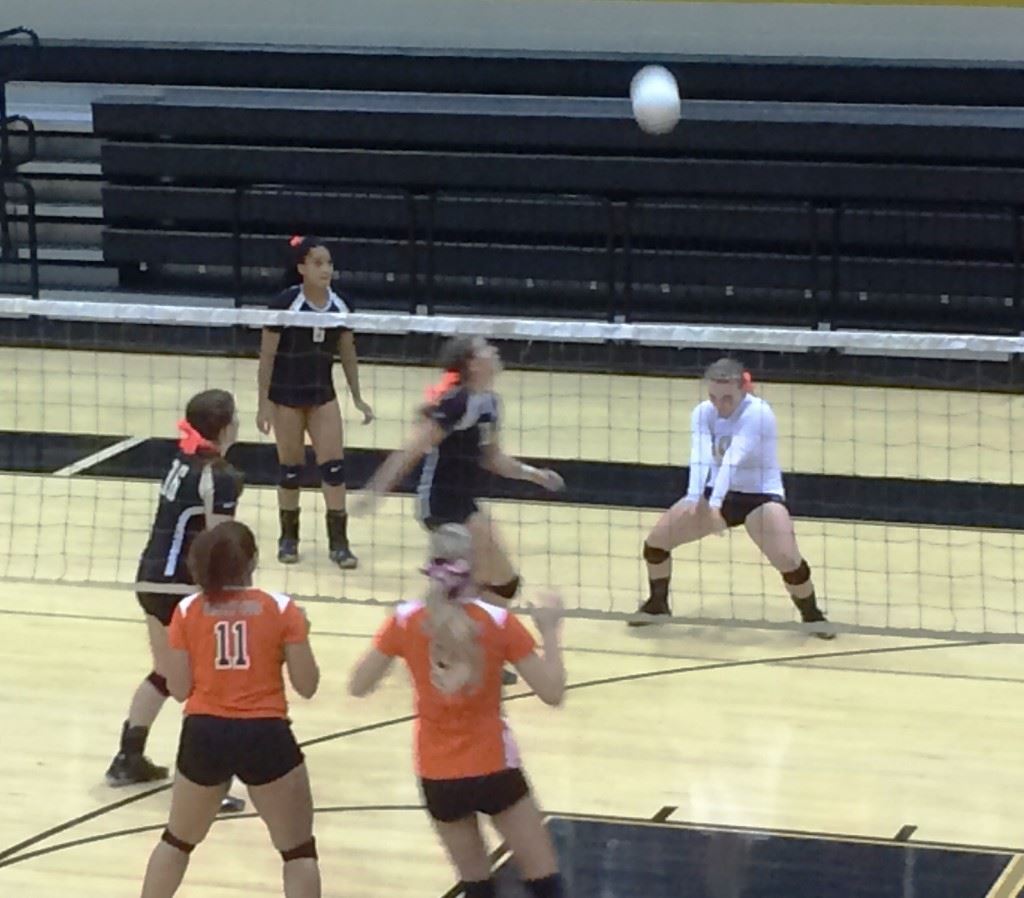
(664, 813)
(7, 855)
(906, 831)
(893, 500)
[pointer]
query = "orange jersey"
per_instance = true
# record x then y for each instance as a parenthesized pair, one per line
(463, 734)
(236, 650)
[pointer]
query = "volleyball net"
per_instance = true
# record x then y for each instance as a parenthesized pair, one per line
(901, 456)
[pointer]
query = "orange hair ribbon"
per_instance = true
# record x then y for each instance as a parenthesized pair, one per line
(448, 380)
(747, 382)
(192, 440)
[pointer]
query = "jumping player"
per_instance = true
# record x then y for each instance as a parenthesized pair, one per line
(454, 645)
(734, 479)
(200, 490)
(227, 647)
(297, 396)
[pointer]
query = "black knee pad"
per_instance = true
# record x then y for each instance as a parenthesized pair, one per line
(548, 887)
(482, 889)
(172, 840)
(306, 849)
(333, 472)
(159, 683)
(798, 577)
(655, 556)
(505, 590)
(288, 477)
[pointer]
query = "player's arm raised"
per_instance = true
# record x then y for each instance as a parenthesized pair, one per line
(425, 436)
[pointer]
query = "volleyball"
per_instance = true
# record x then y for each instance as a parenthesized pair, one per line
(655, 97)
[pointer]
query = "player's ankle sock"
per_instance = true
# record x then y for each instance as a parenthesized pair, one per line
(808, 608)
(337, 529)
(289, 518)
(659, 591)
(133, 739)
(548, 887)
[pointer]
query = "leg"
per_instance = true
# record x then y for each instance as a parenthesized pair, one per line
(466, 849)
(130, 764)
(523, 830)
(193, 809)
(289, 434)
(286, 806)
(492, 568)
(327, 433)
(771, 528)
(685, 522)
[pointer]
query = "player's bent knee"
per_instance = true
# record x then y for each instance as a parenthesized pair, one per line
(506, 590)
(288, 477)
(180, 844)
(799, 576)
(159, 683)
(333, 472)
(305, 850)
(654, 555)
(481, 889)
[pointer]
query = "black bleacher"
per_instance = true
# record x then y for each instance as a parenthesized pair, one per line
(788, 213)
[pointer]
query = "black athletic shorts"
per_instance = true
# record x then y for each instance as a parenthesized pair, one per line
(256, 750)
(160, 605)
(446, 508)
(301, 397)
(451, 800)
(737, 506)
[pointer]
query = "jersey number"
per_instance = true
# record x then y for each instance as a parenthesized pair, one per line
(172, 482)
(232, 645)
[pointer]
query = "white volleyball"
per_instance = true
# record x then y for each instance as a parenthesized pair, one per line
(655, 97)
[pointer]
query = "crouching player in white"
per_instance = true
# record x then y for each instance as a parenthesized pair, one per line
(734, 479)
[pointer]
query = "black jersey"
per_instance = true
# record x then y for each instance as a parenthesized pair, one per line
(191, 485)
(469, 421)
(302, 376)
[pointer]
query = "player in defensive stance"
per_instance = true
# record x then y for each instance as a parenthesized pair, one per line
(454, 645)
(734, 479)
(228, 645)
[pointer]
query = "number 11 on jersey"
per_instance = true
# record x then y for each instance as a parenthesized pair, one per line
(232, 645)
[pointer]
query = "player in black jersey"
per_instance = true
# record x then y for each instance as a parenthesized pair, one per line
(297, 396)
(200, 490)
(457, 438)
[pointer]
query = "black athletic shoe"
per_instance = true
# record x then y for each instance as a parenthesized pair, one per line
(343, 558)
(130, 770)
(232, 804)
(653, 610)
(288, 551)
(509, 677)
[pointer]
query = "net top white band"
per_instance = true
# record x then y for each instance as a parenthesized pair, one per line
(765, 339)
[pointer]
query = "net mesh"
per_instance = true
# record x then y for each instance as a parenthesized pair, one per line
(899, 453)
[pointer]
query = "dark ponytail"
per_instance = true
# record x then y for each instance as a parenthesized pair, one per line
(222, 558)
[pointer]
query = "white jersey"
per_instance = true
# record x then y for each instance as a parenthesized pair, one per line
(734, 454)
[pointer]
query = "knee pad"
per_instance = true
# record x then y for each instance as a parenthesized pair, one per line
(655, 556)
(548, 887)
(288, 477)
(159, 683)
(172, 840)
(333, 472)
(798, 577)
(506, 590)
(306, 849)
(482, 889)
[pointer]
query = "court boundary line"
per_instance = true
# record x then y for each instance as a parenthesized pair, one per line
(10, 855)
(1010, 880)
(96, 457)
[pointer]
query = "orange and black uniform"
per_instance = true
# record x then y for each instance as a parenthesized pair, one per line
(236, 715)
(466, 755)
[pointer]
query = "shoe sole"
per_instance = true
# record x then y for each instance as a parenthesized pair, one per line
(649, 620)
(288, 559)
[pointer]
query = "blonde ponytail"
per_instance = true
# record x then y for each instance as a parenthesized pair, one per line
(455, 654)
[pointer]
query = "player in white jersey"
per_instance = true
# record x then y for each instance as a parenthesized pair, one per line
(734, 479)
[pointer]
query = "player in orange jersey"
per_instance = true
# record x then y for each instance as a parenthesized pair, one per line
(228, 645)
(455, 645)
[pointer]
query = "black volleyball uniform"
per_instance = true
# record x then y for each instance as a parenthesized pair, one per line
(302, 373)
(191, 484)
(452, 476)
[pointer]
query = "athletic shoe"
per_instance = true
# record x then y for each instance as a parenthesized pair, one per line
(232, 804)
(343, 558)
(288, 551)
(509, 677)
(130, 770)
(814, 617)
(652, 609)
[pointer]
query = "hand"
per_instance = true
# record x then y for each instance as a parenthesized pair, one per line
(551, 480)
(548, 615)
(689, 507)
(264, 418)
(718, 525)
(364, 408)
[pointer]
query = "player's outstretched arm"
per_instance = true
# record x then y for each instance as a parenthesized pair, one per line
(425, 436)
(497, 462)
(545, 673)
(368, 672)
